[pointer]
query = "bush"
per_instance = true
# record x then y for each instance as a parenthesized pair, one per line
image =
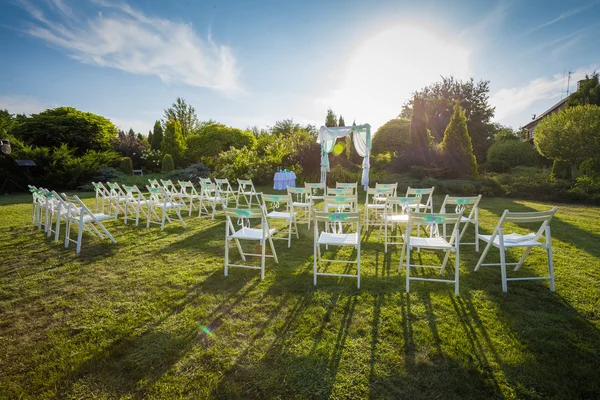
(167, 164)
(79, 130)
(344, 174)
(151, 160)
(191, 173)
(586, 189)
(493, 166)
(590, 167)
(511, 153)
(214, 139)
(126, 166)
(561, 169)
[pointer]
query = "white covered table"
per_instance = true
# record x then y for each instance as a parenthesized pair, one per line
(284, 179)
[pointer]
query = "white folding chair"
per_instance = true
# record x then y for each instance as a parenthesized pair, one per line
(388, 186)
(248, 192)
(188, 192)
(375, 204)
(82, 217)
(300, 201)
(154, 183)
(353, 186)
(102, 195)
(209, 197)
(161, 200)
(225, 191)
(395, 214)
(426, 195)
(435, 241)
(37, 205)
(502, 241)
(117, 199)
(340, 229)
(280, 207)
(469, 206)
(315, 192)
(34, 204)
(346, 199)
(243, 217)
(137, 203)
(57, 208)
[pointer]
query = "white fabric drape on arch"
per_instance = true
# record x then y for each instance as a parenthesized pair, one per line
(361, 137)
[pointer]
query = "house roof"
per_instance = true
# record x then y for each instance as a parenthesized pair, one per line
(548, 111)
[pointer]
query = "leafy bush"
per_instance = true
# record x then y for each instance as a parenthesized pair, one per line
(392, 136)
(126, 166)
(167, 164)
(151, 159)
(79, 130)
(130, 146)
(586, 189)
(493, 166)
(561, 169)
(340, 173)
(214, 139)
(191, 173)
(590, 167)
(512, 153)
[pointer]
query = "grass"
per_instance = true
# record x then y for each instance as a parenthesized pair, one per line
(153, 317)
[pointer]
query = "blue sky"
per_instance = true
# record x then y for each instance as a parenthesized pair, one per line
(246, 63)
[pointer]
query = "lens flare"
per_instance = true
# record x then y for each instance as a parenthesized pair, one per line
(206, 330)
(339, 148)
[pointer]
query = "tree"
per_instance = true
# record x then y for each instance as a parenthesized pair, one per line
(214, 139)
(185, 114)
(131, 133)
(150, 137)
(456, 146)
(130, 146)
(419, 137)
(571, 135)
(77, 129)
(330, 119)
(285, 127)
(173, 142)
(167, 164)
(140, 136)
(439, 98)
(501, 133)
(341, 121)
(126, 166)
(157, 136)
(392, 137)
(588, 92)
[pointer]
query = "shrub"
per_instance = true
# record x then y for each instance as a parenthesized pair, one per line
(151, 159)
(344, 174)
(173, 142)
(191, 173)
(456, 147)
(590, 167)
(79, 130)
(561, 169)
(130, 146)
(167, 164)
(493, 166)
(392, 136)
(214, 139)
(512, 153)
(126, 166)
(586, 189)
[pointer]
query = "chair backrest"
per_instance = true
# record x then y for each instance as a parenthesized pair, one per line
(115, 190)
(245, 185)
(154, 183)
(433, 221)
(244, 218)
(133, 193)
(387, 186)
(342, 185)
(400, 205)
(341, 202)
(187, 188)
(530, 217)
(337, 222)
(100, 189)
(205, 180)
(277, 201)
(468, 205)
(315, 189)
(224, 186)
(339, 192)
(425, 193)
(378, 195)
(168, 186)
(298, 194)
(77, 209)
(158, 195)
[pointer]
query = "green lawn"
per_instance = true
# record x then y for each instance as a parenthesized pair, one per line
(153, 317)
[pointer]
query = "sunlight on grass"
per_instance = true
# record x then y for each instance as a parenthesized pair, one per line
(153, 317)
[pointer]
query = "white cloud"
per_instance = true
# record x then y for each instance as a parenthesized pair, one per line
(385, 68)
(123, 38)
(511, 101)
(16, 104)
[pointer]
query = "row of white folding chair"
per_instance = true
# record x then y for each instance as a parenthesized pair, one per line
(52, 209)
